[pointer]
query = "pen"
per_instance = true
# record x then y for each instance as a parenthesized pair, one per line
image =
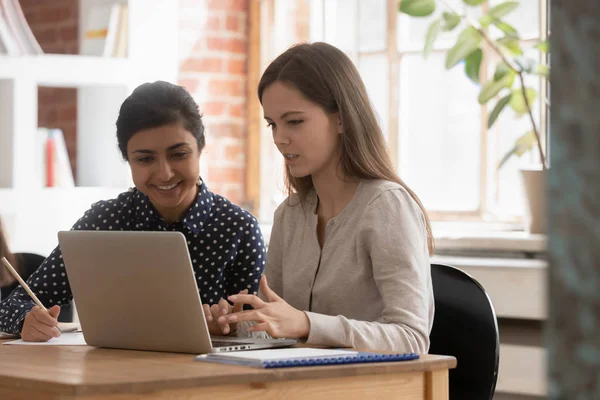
(25, 286)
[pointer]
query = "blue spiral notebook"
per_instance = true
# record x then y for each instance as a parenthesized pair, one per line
(300, 357)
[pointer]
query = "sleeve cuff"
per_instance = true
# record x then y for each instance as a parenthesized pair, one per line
(17, 325)
(325, 330)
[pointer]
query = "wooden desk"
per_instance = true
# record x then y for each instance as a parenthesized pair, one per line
(82, 372)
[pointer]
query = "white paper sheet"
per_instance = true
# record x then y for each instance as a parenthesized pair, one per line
(63, 326)
(282, 354)
(66, 339)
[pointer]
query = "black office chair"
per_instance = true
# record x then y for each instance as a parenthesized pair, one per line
(30, 263)
(465, 327)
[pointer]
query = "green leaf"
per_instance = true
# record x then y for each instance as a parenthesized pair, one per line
(544, 46)
(509, 79)
(505, 74)
(472, 65)
(517, 102)
(509, 30)
(502, 69)
(522, 145)
(489, 90)
(417, 8)
(432, 33)
(511, 44)
(542, 70)
(498, 109)
(473, 2)
(485, 21)
(506, 157)
(451, 21)
(503, 9)
(468, 41)
(526, 64)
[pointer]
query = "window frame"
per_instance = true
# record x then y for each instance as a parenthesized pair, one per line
(261, 21)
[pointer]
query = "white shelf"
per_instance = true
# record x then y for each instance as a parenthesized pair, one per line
(522, 370)
(517, 286)
(31, 214)
(32, 217)
(102, 84)
(490, 241)
(13, 199)
(49, 70)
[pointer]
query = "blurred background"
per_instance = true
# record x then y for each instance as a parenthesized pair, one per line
(66, 66)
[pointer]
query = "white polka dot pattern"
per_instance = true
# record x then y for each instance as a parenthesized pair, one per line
(225, 244)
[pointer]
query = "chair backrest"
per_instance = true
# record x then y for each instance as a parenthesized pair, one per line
(465, 327)
(30, 263)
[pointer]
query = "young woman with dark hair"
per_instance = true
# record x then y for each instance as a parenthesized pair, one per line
(161, 135)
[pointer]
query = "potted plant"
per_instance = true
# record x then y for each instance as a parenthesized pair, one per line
(506, 87)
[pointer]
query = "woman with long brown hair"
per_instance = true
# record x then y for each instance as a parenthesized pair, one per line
(348, 260)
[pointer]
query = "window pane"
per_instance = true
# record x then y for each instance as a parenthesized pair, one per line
(412, 31)
(374, 70)
(508, 196)
(317, 28)
(284, 32)
(341, 28)
(440, 124)
(372, 25)
(525, 19)
(272, 176)
(277, 38)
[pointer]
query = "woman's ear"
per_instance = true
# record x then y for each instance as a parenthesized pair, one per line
(340, 126)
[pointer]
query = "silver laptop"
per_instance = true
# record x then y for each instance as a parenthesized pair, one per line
(137, 291)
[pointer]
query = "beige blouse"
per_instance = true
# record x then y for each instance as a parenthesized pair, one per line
(370, 285)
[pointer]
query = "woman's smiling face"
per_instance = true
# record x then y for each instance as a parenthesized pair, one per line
(165, 166)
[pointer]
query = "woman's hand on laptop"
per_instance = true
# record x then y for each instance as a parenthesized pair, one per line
(276, 316)
(40, 325)
(214, 312)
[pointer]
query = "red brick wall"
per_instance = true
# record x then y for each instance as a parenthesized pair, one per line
(55, 25)
(213, 54)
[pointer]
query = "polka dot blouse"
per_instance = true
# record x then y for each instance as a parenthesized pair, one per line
(225, 244)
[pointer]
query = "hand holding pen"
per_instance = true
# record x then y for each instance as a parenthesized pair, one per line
(41, 324)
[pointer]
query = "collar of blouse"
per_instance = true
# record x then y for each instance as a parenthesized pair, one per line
(195, 218)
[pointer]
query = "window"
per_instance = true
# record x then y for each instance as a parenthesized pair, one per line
(435, 129)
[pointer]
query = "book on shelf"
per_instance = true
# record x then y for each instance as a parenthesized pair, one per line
(16, 36)
(122, 44)
(106, 30)
(30, 40)
(7, 43)
(53, 168)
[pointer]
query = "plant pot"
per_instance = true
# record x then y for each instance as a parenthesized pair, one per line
(534, 185)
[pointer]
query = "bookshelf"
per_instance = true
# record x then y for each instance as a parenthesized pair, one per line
(102, 84)
(49, 70)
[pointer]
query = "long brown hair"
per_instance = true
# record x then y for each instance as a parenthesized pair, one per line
(326, 76)
(5, 276)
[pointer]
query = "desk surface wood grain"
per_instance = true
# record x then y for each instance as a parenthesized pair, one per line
(84, 370)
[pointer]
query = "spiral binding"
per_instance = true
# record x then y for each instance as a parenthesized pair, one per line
(360, 358)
